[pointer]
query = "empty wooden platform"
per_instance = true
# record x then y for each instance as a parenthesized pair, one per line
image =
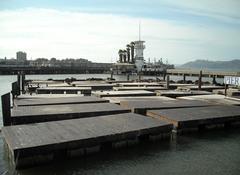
(175, 93)
(145, 84)
(117, 100)
(199, 117)
(35, 114)
(141, 107)
(33, 144)
(64, 90)
(123, 93)
(58, 101)
(148, 88)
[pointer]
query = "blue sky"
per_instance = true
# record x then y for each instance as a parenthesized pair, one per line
(179, 31)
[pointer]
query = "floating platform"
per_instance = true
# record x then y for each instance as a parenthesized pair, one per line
(145, 84)
(208, 88)
(123, 93)
(200, 117)
(36, 114)
(141, 107)
(64, 90)
(148, 88)
(117, 100)
(58, 101)
(34, 144)
(175, 93)
(218, 99)
(178, 85)
(48, 96)
(97, 87)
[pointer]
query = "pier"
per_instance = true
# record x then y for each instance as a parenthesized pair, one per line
(55, 121)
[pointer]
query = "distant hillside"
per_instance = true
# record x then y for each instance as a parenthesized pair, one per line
(233, 65)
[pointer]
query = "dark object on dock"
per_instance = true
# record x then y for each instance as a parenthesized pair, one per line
(6, 109)
(63, 90)
(141, 107)
(199, 117)
(123, 93)
(30, 145)
(36, 114)
(58, 101)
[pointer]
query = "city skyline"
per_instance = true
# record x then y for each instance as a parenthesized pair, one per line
(95, 30)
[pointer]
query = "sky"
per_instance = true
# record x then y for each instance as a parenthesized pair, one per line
(176, 31)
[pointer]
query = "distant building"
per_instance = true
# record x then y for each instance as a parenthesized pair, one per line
(21, 56)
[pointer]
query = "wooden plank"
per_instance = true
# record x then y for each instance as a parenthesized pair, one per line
(58, 101)
(123, 93)
(177, 93)
(35, 114)
(218, 99)
(141, 107)
(149, 88)
(117, 100)
(194, 117)
(33, 144)
(146, 84)
(62, 90)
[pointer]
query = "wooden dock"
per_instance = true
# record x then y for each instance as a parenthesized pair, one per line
(139, 84)
(117, 100)
(123, 93)
(141, 107)
(36, 114)
(178, 93)
(218, 99)
(58, 101)
(131, 88)
(31, 145)
(208, 88)
(64, 90)
(200, 117)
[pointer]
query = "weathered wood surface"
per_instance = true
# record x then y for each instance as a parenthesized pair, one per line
(28, 144)
(62, 90)
(193, 117)
(58, 101)
(218, 99)
(139, 98)
(177, 85)
(148, 88)
(209, 88)
(48, 96)
(97, 87)
(175, 93)
(35, 114)
(123, 93)
(142, 106)
(146, 84)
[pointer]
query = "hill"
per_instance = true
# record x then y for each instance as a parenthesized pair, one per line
(233, 65)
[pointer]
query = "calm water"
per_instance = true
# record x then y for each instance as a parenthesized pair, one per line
(213, 152)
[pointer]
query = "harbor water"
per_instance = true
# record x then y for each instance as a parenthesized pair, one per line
(212, 152)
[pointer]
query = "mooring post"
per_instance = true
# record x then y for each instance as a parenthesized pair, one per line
(139, 76)
(164, 76)
(23, 82)
(214, 80)
(168, 79)
(19, 82)
(184, 78)
(225, 90)
(6, 109)
(128, 77)
(200, 80)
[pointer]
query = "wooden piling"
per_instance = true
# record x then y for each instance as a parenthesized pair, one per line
(184, 78)
(200, 80)
(168, 79)
(6, 109)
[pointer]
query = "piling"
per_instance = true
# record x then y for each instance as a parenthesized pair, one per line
(6, 109)
(200, 80)
(167, 82)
